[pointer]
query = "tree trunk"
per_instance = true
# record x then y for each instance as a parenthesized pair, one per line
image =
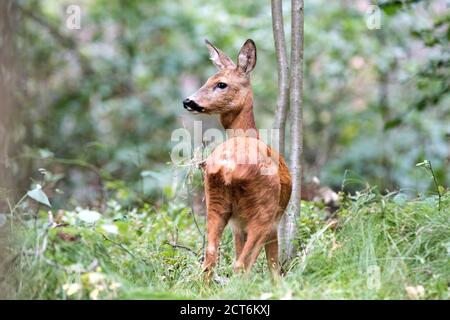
(8, 117)
(8, 108)
(283, 72)
(296, 117)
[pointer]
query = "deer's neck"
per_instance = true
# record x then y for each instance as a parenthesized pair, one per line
(235, 121)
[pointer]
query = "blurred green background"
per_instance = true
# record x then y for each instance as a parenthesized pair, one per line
(96, 107)
(88, 114)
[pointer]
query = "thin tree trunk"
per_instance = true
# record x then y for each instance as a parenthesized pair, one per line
(283, 72)
(296, 117)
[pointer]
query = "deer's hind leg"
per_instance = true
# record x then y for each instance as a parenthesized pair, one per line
(259, 230)
(256, 238)
(219, 211)
(271, 248)
(260, 211)
(239, 237)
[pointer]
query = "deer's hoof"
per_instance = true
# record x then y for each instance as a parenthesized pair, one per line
(238, 267)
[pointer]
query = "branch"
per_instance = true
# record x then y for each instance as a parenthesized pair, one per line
(283, 71)
(175, 245)
(121, 246)
(191, 202)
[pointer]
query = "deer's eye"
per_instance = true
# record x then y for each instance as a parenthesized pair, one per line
(221, 85)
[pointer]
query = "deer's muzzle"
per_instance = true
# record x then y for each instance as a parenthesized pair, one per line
(191, 105)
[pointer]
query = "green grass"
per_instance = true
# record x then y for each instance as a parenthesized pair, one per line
(379, 246)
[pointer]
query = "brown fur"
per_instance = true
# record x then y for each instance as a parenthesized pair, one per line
(236, 190)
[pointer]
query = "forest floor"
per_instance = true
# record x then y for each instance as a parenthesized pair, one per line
(374, 247)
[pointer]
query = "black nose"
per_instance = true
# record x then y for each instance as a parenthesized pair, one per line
(187, 102)
(191, 105)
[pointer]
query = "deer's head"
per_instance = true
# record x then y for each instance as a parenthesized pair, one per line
(229, 89)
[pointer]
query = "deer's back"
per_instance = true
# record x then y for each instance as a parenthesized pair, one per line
(248, 163)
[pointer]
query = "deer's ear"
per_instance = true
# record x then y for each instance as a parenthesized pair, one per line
(247, 57)
(220, 59)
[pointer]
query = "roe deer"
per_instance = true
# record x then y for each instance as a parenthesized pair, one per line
(242, 192)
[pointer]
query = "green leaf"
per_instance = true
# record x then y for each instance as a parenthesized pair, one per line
(38, 195)
(424, 163)
(392, 123)
(391, 8)
(441, 190)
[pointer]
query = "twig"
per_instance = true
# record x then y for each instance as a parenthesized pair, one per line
(191, 202)
(427, 165)
(179, 246)
(436, 184)
(35, 230)
(123, 248)
(17, 204)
